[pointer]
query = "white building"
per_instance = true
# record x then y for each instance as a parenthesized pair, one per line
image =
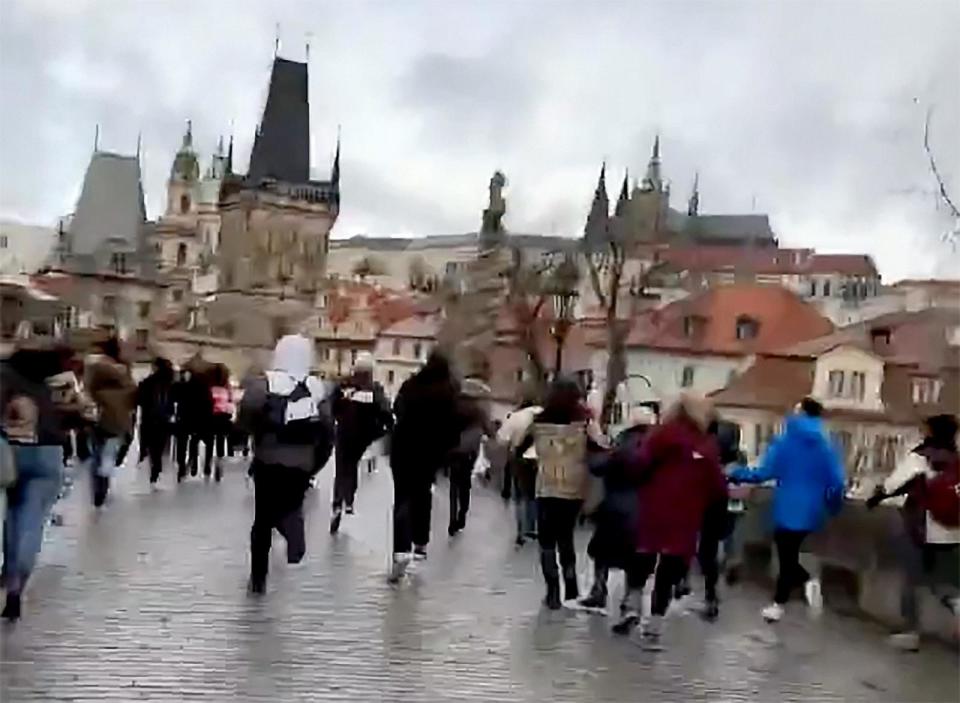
(25, 249)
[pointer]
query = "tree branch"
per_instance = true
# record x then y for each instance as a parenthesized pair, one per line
(944, 195)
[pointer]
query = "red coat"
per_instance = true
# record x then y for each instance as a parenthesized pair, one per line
(679, 475)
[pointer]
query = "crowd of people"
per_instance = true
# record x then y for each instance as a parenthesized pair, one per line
(661, 495)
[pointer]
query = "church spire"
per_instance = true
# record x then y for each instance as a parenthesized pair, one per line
(693, 206)
(624, 199)
(653, 181)
(229, 166)
(335, 171)
(596, 230)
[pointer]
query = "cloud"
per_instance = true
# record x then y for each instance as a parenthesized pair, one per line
(812, 111)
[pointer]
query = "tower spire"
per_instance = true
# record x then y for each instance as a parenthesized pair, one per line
(229, 166)
(96, 138)
(335, 171)
(693, 207)
(652, 181)
(597, 229)
(139, 144)
(624, 199)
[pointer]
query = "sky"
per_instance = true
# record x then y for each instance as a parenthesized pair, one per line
(810, 111)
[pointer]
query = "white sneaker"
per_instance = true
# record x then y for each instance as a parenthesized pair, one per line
(813, 592)
(905, 641)
(772, 613)
(401, 560)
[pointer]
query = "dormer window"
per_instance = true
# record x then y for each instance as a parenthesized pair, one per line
(747, 327)
(184, 204)
(880, 339)
(835, 380)
(693, 325)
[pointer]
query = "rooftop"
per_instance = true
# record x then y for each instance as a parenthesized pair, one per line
(710, 322)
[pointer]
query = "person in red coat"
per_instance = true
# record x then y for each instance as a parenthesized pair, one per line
(677, 470)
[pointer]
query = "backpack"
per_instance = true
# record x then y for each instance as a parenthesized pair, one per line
(942, 495)
(293, 418)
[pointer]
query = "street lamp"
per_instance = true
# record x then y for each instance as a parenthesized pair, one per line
(564, 307)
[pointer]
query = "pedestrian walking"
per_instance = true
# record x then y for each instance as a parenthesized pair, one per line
(521, 470)
(155, 400)
(32, 440)
(612, 543)
(223, 408)
(809, 487)
(425, 432)
(363, 415)
(474, 424)
(929, 548)
(111, 387)
(560, 437)
(286, 413)
(677, 471)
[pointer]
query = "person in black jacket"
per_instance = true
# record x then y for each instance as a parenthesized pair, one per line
(426, 430)
(612, 544)
(155, 400)
(363, 415)
(475, 424)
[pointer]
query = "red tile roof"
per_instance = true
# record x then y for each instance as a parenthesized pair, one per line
(764, 260)
(782, 319)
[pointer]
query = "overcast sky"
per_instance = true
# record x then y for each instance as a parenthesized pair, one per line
(810, 111)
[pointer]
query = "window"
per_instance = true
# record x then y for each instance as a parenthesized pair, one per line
(688, 326)
(353, 357)
(520, 375)
(747, 327)
(926, 390)
(144, 308)
(181, 254)
(177, 294)
(417, 348)
(858, 384)
(813, 288)
(686, 377)
(118, 262)
(826, 288)
(184, 204)
(396, 347)
(835, 380)
(3, 241)
(391, 377)
(109, 305)
(141, 338)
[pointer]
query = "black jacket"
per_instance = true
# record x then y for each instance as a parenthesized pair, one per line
(362, 413)
(25, 374)
(427, 425)
(155, 398)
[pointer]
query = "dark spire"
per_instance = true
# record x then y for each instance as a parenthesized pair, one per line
(693, 206)
(624, 198)
(281, 147)
(229, 166)
(656, 148)
(188, 136)
(597, 227)
(335, 171)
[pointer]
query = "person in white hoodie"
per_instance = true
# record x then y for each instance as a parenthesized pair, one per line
(925, 544)
(286, 413)
(522, 469)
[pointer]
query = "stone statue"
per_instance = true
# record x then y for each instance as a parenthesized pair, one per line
(491, 229)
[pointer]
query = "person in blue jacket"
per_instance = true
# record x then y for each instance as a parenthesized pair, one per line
(809, 487)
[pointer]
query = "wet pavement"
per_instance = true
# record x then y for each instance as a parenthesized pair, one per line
(147, 601)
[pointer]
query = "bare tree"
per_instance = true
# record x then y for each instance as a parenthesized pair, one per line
(606, 269)
(952, 234)
(418, 274)
(368, 266)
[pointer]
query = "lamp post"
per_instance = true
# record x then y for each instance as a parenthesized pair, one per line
(563, 306)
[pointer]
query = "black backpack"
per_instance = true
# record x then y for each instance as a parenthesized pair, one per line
(296, 418)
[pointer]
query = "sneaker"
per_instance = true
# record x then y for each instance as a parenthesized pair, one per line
(453, 529)
(552, 599)
(335, 521)
(814, 595)
(349, 509)
(519, 541)
(571, 589)
(905, 641)
(12, 608)
(596, 600)
(398, 567)
(628, 620)
(650, 635)
(420, 552)
(710, 611)
(257, 585)
(772, 613)
(951, 603)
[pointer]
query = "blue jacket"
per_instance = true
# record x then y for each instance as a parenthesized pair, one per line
(809, 476)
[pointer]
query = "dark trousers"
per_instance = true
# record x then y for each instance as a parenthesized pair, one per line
(155, 439)
(278, 505)
(412, 505)
(709, 564)
(668, 569)
(460, 475)
(791, 573)
(345, 480)
(556, 520)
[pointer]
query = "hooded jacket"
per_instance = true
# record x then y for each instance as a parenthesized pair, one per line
(290, 369)
(112, 388)
(808, 474)
(362, 412)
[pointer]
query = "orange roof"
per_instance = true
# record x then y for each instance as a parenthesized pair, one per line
(707, 323)
(418, 326)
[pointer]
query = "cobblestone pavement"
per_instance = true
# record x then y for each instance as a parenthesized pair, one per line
(147, 601)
